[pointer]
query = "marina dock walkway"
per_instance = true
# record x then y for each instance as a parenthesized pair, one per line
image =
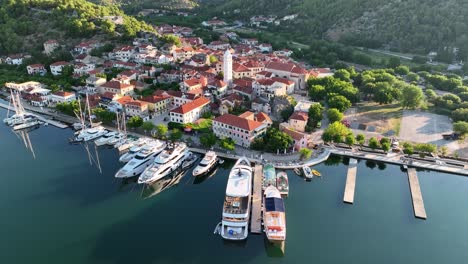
(256, 216)
(41, 118)
(350, 182)
(416, 195)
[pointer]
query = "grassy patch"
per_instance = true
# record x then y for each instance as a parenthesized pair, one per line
(383, 117)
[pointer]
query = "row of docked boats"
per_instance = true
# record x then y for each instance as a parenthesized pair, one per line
(20, 119)
(237, 203)
(307, 172)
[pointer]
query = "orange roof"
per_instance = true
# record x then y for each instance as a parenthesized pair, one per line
(116, 85)
(294, 134)
(237, 67)
(247, 115)
(239, 122)
(124, 99)
(262, 117)
(63, 93)
(155, 98)
(136, 103)
(188, 107)
(299, 116)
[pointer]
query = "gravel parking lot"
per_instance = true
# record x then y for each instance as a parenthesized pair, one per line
(424, 127)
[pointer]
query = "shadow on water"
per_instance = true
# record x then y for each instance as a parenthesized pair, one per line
(272, 250)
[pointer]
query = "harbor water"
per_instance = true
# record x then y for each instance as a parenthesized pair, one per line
(60, 203)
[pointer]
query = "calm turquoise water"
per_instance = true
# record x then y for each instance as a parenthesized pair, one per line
(59, 208)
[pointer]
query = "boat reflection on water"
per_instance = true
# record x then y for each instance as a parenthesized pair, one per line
(93, 154)
(23, 135)
(200, 179)
(163, 184)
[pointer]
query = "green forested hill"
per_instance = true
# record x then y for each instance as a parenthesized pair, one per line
(405, 25)
(25, 24)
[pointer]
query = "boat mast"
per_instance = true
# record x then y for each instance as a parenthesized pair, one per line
(89, 111)
(81, 117)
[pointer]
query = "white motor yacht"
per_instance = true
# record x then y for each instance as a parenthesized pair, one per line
(168, 161)
(19, 119)
(130, 154)
(104, 139)
(236, 208)
(91, 133)
(206, 164)
(142, 160)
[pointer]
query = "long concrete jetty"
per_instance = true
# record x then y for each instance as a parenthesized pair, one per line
(400, 160)
(416, 195)
(41, 118)
(350, 182)
(256, 216)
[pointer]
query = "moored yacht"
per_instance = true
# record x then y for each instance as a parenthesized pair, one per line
(206, 164)
(274, 217)
(90, 134)
(104, 139)
(236, 208)
(119, 137)
(165, 163)
(269, 176)
(28, 124)
(130, 154)
(142, 160)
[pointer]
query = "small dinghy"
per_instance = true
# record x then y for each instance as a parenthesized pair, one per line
(217, 229)
(316, 173)
(282, 183)
(297, 171)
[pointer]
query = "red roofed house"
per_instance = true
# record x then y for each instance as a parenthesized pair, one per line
(240, 129)
(117, 87)
(158, 103)
(321, 72)
(62, 97)
(193, 84)
(298, 121)
(57, 67)
(189, 112)
(300, 140)
(289, 71)
(240, 71)
(137, 108)
(183, 53)
(36, 69)
(271, 87)
(217, 88)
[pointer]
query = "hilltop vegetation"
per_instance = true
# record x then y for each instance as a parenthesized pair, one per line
(411, 26)
(27, 23)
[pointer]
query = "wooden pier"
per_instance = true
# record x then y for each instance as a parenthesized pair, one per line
(416, 195)
(256, 215)
(350, 182)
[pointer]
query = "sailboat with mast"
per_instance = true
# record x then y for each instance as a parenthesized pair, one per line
(91, 133)
(21, 119)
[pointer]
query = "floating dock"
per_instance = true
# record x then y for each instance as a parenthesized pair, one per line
(416, 195)
(256, 215)
(350, 182)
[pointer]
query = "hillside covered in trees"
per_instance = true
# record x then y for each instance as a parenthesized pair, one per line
(405, 25)
(26, 24)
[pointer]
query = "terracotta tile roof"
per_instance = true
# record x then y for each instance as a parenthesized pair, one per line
(192, 82)
(36, 66)
(247, 115)
(237, 67)
(262, 117)
(63, 93)
(239, 122)
(124, 99)
(286, 67)
(188, 107)
(244, 82)
(282, 80)
(266, 74)
(116, 85)
(60, 63)
(155, 98)
(299, 116)
(245, 90)
(297, 136)
(136, 103)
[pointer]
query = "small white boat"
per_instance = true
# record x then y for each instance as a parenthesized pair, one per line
(104, 139)
(282, 183)
(27, 125)
(269, 176)
(217, 229)
(90, 134)
(78, 126)
(189, 161)
(297, 171)
(206, 164)
(307, 172)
